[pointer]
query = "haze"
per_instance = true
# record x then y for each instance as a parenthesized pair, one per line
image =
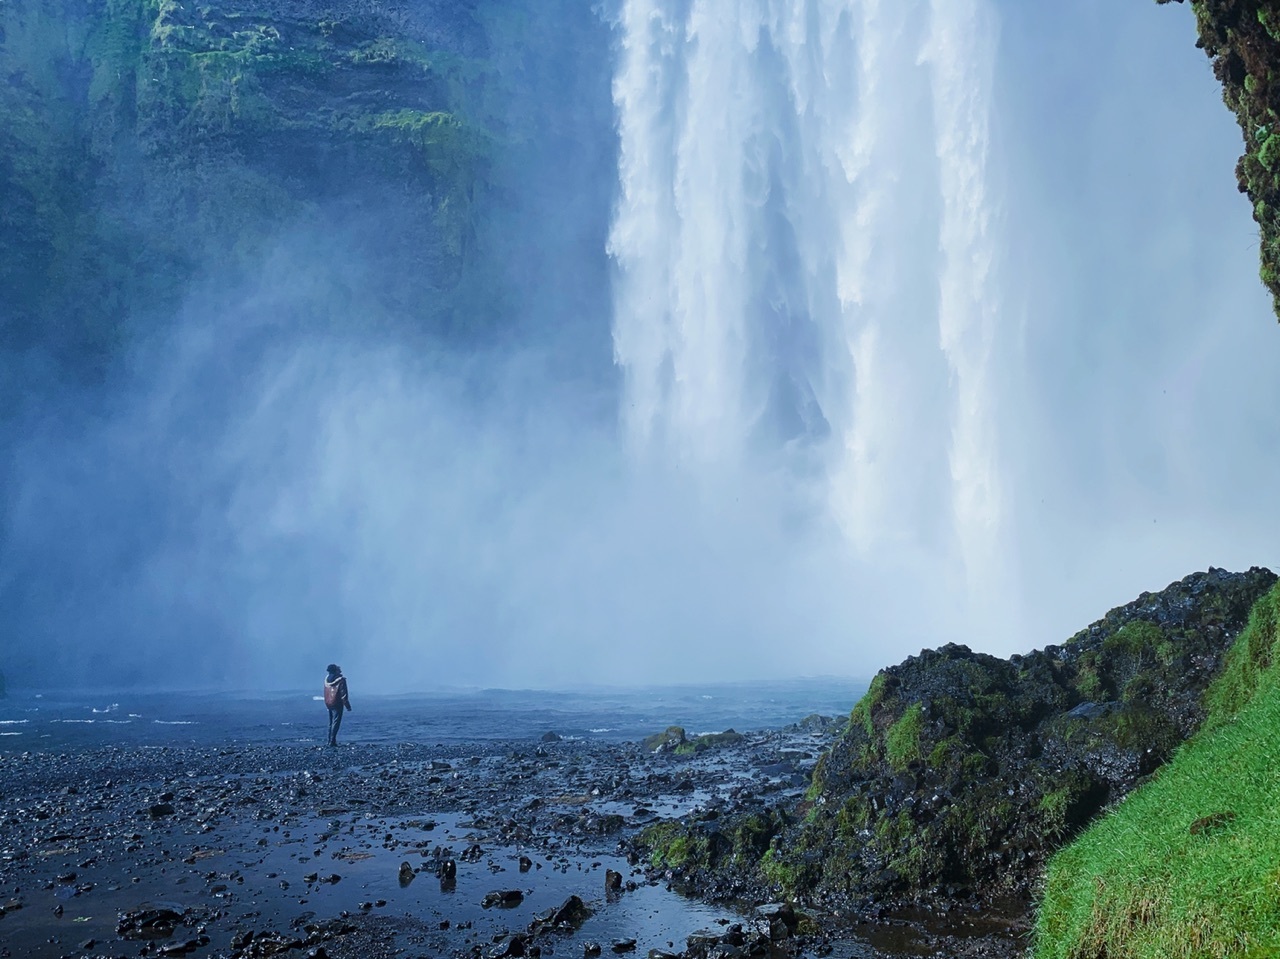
(848, 329)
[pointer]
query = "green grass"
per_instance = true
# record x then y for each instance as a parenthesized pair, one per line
(902, 741)
(862, 710)
(1250, 662)
(1188, 865)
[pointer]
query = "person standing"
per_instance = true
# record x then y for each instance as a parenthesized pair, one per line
(335, 698)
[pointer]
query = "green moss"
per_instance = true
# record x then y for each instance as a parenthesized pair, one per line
(946, 752)
(975, 765)
(863, 709)
(854, 815)
(750, 837)
(1270, 21)
(670, 738)
(902, 741)
(671, 845)
(779, 871)
(1089, 681)
(1133, 639)
(207, 130)
(914, 864)
(1054, 807)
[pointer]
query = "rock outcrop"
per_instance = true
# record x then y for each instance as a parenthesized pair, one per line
(959, 772)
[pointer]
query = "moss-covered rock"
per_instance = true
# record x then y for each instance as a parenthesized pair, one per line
(719, 856)
(675, 740)
(960, 772)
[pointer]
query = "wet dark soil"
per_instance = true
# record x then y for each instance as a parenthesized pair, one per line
(493, 849)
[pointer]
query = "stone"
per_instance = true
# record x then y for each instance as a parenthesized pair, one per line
(157, 923)
(665, 741)
(503, 898)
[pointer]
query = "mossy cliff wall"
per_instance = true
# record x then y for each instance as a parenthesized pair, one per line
(1242, 37)
(149, 144)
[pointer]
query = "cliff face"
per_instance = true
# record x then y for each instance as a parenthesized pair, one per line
(149, 144)
(1242, 37)
(143, 142)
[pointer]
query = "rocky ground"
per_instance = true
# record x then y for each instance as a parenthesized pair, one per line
(919, 825)
(517, 849)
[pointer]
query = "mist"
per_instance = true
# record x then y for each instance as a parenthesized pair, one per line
(834, 332)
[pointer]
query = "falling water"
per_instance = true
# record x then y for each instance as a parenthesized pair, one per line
(806, 253)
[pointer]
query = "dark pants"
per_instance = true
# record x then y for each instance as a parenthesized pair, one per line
(335, 723)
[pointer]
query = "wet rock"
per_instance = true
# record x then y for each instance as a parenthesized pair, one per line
(666, 741)
(623, 945)
(515, 944)
(156, 923)
(502, 898)
(612, 880)
(182, 948)
(406, 874)
(781, 917)
(699, 943)
(1092, 710)
(568, 916)
(550, 737)
(160, 810)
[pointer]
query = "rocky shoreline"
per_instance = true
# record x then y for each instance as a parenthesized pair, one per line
(494, 849)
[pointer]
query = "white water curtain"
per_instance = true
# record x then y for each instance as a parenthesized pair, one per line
(806, 258)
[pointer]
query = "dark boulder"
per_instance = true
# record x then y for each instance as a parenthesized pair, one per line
(503, 898)
(148, 923)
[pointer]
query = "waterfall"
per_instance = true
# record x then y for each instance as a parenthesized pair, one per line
(805, 243)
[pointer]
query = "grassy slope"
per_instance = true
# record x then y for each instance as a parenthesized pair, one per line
(1189, 865)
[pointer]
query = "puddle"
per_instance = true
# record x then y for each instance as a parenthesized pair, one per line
(269, 876)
